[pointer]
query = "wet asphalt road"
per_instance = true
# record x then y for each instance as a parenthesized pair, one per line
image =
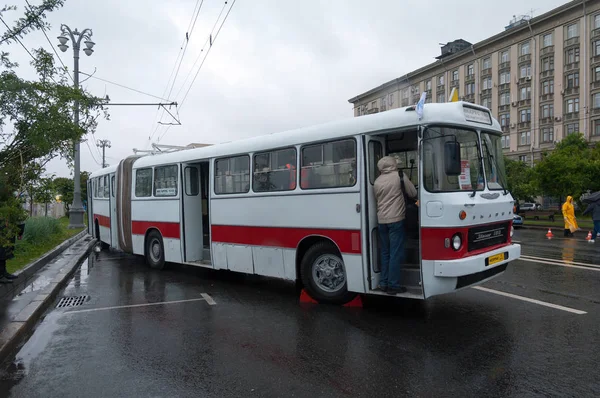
(258, 341)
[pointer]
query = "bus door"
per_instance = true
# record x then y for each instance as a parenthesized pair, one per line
(191, 213)
(375, 150)
(114, 234)
(90, 206)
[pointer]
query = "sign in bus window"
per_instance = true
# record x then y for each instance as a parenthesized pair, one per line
(232, 175)
(434, 171)
(165, 181)
(329, 165)
(275, 171)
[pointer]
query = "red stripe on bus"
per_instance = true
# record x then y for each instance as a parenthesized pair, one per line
(348, 241)
(103, 221)
(167, 229)
(433, 246)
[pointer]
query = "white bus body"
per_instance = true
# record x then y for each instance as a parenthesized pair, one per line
(299, 205)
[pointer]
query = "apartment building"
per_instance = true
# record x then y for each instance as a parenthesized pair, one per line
(540, 78)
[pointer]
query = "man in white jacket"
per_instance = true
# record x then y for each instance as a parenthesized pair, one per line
(391, 212)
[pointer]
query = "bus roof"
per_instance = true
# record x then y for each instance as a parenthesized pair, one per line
(106, 170)
(433, 113)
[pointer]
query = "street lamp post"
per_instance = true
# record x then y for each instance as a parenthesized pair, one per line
(76, 211)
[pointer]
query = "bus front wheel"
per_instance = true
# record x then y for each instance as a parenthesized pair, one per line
(324, 275)
(155, 250)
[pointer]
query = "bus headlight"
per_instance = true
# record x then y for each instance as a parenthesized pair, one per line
(456, 242)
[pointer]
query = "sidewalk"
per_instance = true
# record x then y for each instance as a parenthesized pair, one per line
(25, 301)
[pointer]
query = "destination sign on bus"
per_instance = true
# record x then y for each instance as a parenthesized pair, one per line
(477, 115)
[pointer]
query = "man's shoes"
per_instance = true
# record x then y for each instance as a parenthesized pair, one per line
(396, 290)
(382, 288)
(10, 276)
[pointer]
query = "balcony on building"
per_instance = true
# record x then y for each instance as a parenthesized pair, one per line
(571, 91)
(595, 111)
(469, 98)
(524, 125)
(573, 41)
(524, 58)
(573, 66)
(571, 116)
(547, 97)
(486, 72)
(595, 60)
(548, 50)
(372, 110)
(454, 83)
(547, 73)
(504, 66)
(469, 78)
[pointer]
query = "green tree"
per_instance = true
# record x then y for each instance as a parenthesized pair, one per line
(36, 116)
(64, 187)
(521, 180)
(569, 169)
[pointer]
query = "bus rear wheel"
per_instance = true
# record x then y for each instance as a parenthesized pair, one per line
(324, 275)
(155, 250)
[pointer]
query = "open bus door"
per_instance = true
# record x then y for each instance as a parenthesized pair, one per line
(375, 150)
(90, 205)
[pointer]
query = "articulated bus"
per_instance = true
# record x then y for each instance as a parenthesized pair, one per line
(299, 205)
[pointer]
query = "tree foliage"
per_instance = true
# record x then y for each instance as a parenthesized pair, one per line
(36, 116)
(64, 187)
(521, 180)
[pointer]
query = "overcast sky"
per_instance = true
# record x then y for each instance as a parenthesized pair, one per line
(276, 65)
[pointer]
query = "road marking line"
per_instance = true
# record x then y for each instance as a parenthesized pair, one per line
(562, 261)
(208, 299)
(141, 305)
(530, 300)
(559, 264)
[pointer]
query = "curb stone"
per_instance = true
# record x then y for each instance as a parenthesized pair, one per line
(30, 269)
(26, 320)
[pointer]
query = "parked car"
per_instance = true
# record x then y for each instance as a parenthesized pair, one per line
(517, 221)
(527, 207)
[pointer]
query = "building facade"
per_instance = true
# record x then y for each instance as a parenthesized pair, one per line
(540, 78)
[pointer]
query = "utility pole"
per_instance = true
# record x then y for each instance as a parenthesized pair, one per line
(103, 144)
(76, 211)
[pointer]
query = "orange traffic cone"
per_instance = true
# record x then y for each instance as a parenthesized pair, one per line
(549, 235)
(589, 237)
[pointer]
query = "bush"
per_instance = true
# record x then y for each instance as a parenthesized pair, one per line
(39, 229)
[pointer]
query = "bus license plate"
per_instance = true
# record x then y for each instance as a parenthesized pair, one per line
(495, 259)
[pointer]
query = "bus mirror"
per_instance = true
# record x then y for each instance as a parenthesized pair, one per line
(452, 158)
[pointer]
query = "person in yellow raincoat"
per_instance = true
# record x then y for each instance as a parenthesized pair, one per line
(568, 212)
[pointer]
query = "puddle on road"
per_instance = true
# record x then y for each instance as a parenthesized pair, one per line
(82, 273)
(37, 284)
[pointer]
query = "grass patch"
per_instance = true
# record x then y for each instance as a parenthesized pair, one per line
(41, 235)
(559, 223)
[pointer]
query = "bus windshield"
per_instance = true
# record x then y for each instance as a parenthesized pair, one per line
(493, 160)
(435, 178)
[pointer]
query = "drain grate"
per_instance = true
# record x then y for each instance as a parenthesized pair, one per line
(73, 301)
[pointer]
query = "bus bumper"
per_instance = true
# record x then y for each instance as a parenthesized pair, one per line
(478, 263)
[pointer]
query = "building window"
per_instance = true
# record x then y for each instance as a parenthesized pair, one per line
(525, 93)
(487, 83)
(416, 90)
(548, 87)
(357, 111)
(572, 105)
(275, 171)
(165, 181)
(505, 141)
(504, 99)
(373, 104)
(143, 183)
(547, 134)
(525, 71)
(571, 128)
(504, 57)
(524, 48)
(548, 64)
(487, 102)
(597, 74)
(441, 80)
(547, 40)
(596, 131)
(547, 111)
(572, 31)
(455, 75)
(405, 94)
(470, 70)
(441, 97)
(596, 100)
(525, 138)
(487, 63)
(597, 21)
(428, 85)
(469, 88)
(523, 158)
(525, 115)
(505, 78)
(329, 165)
(232, 175)
(505, 120)
(572, 80)
(596, 48)
(571, 56)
